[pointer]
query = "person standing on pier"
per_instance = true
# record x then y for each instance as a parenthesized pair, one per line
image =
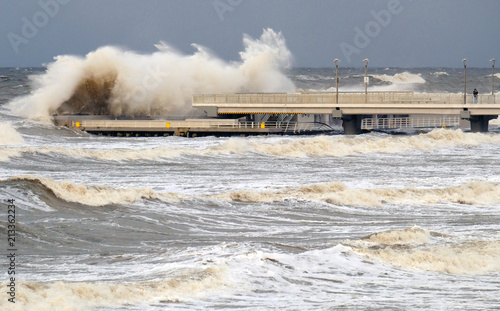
(475, 95)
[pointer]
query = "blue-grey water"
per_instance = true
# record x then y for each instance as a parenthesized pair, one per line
(368, 222)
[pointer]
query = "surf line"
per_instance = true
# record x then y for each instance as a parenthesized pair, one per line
(11, 250)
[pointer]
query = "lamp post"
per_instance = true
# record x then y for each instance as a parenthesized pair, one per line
(366, 79)
(465, 80)
(493, 79)
(337, 77)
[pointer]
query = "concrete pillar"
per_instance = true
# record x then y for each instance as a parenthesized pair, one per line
(352, 124)
(479, 124)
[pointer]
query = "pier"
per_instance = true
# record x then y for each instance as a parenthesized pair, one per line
(189, 127)
(303, 113)
(352, 108)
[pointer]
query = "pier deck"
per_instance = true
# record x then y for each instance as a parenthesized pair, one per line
(224, 113)
(188, 127)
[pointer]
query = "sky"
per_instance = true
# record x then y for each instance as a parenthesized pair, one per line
(390, 33)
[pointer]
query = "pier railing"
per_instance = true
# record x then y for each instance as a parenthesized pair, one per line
(343, 98)
(126, 125)
(155, 123)
(410, 122)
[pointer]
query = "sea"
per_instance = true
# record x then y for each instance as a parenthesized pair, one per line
(376, 221)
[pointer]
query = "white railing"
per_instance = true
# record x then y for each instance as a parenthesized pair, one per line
(409, 122)
(302, 98)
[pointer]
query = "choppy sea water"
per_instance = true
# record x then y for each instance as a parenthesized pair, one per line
(369, 222)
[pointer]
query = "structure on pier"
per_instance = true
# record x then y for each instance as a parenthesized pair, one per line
(352, 108)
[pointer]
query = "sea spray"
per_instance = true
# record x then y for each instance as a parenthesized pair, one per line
(51, 89)
(116, 82)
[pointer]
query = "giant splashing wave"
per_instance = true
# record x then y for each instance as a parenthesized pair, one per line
(112, 81)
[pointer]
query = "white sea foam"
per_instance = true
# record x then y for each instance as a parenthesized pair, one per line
(117, 82)
(401, 78)
(439, 73)
(94, 195)
(306, 78)
(414, 235)
(346, 146)
(76, 296)
(9, 135)
(413, 248)
(480, 192)
(472, 193)
(318, 146)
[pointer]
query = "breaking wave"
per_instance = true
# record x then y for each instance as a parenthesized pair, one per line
(347, 146)
(401, 78)
(472, 193)
(123, 83)
(414, 248)
(84, 296)
(439, 73)
(89, 194)
(232, 146)
(319, 146)
(9, 135)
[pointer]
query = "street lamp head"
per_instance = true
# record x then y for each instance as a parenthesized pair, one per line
(464, 60)
(493, 60)
(336, 60)
(365, 60)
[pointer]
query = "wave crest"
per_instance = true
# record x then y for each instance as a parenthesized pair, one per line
(401, 78)
(77, 296)
(336, 193)
(413, 248)
(472, 193)
(439, 73)
(9, 135)
(414, 235)
(319, 146)
(92, 195)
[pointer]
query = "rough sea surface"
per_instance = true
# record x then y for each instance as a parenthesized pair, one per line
(368, 222)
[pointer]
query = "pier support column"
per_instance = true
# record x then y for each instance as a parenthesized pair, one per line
(352, 124)
(479, 124)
